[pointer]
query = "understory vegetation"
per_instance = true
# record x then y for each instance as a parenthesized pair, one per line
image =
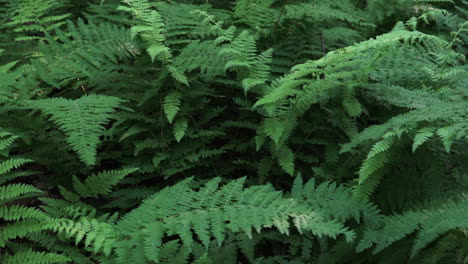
(222, 131)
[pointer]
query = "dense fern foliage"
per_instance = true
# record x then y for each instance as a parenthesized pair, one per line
(247, 131)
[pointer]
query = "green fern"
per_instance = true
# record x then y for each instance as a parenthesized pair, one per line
(423, 135)
(171, 105)
(34, 257)
(430, 224)
(90, 56)
(82, 120)
(149, 26)
(99, 184)
(180, 128)
(204, 212)
(362, 102)
(31, 19)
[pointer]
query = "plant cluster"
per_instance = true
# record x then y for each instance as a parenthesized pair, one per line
(248, 131)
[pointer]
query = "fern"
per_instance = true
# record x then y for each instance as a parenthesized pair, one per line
(100, 236)
(82, 120)
(92, 53)
(430, 224)
(99, 184)
(423, 135)
(180, 128)
(285, 158)
(171, 105)
(30, 257)
(203, 212)
(31, 19)
(149, 27)
(349, 118)
(336, 201)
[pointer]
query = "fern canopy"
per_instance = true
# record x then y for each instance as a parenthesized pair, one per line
(248, 131)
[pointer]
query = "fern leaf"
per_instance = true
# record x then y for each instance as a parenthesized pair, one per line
(98, 234)
(204, 213)
(101, 183)
(82, 120)
(13, 191)
(20, 212)
(273, 128)
(285, 158)
(451, 133)
(422, 136)
(350, 103)
(34, 257)
(171, 105)
(149, 27)
(376, 158)
(178, 75)
(10, 164)
(180, 127)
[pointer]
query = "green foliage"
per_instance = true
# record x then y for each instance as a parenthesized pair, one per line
(82, 120)
(30, 20)
(203, 213)
(32, 257)
(430, 224)
(99, 184)
(90, 56)
(249, 131)
(149, 27)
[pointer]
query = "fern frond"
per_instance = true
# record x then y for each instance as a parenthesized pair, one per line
(82, 120)
(90, 56)
(430, 224)
(335, 201)
(273, 128)
(204, 212)
(20, 212)
(150, 27)
(32, 19)
(180, 127)
(376, 158)
(285, 158)
(16, 190)
(34, 257)
(100, 183)
(10, 164)
(171, 105)
(98, 235)
(422, 136)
